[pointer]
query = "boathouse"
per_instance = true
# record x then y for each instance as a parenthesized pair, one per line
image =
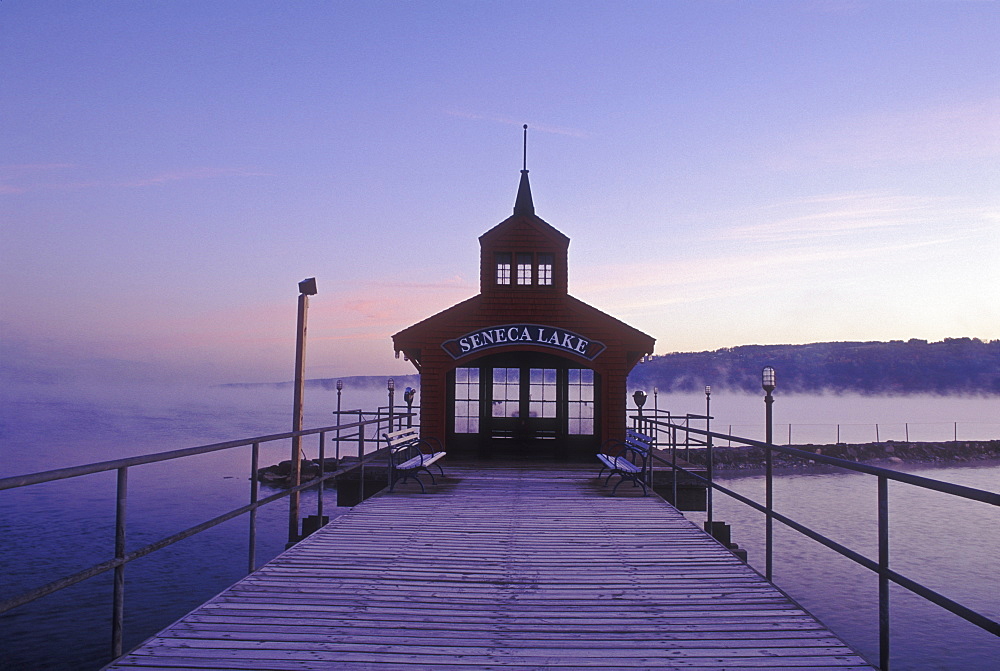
(523, 368)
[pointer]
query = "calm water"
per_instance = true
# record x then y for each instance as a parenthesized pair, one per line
(61, 527)
(946, 544)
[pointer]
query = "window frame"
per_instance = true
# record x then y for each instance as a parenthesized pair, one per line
(503, 268)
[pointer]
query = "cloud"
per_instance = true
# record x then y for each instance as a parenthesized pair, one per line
(835, 215)
(845, 7)
(454, 282)
(933, 134)
(18, 179)
(32, 173)
(541, 128)
(811, 239)
(194, 173)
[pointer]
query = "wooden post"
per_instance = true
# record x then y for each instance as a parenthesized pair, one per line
(300, 368)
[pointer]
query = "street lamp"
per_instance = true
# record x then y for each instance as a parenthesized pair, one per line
(767, 382)
(307, 288)
(340, 388)
(656, 401)
(391, 386)
(708, 407)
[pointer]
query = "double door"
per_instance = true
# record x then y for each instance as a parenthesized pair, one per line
(524, 404)
(523, 401)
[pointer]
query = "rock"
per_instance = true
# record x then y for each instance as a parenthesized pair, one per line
(895, 453)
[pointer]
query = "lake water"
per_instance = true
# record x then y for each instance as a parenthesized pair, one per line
(948, 544)
(60, 527)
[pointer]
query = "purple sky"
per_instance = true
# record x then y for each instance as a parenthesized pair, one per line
(728, 173)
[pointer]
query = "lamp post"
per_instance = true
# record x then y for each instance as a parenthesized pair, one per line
(767, 383)
(408, 397)
(391, 386)
(656, 401)
(307, 288)
(340, 388)
(708, 407)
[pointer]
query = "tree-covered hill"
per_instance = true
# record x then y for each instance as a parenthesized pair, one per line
(952, 366)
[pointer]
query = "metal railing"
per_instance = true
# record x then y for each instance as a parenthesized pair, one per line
(666, 433)
(352, 433)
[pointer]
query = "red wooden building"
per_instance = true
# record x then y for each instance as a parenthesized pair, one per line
(523, 366)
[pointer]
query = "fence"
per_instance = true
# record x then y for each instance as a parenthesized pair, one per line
(362, 433)
(803, 433)
(676, 436)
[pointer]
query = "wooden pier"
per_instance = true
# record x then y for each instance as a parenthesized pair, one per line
(501, 567)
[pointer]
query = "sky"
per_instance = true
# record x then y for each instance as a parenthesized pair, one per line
(728, 173)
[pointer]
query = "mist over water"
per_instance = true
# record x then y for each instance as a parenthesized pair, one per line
(815, 418)
(61, 527)
(45, 426)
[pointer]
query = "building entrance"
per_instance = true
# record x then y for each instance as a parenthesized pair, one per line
(524, 403)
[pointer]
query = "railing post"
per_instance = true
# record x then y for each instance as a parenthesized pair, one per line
(650, 431)
(687, 440)
(361, 454)
(118, 606)
(769, 517)
(883, 566)
(673, 462)
(322, 482)
(252, 550)
(711, 480)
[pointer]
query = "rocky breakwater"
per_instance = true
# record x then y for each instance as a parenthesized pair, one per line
(886, 453)
(280, 474)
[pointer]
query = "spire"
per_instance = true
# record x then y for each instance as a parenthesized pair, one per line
(523, 203)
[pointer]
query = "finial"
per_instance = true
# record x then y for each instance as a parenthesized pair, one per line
(523, 204)
(524, 165)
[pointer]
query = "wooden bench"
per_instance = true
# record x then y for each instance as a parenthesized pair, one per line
(628, 459)
(407, 458)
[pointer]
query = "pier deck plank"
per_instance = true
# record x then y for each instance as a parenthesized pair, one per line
(501, 568)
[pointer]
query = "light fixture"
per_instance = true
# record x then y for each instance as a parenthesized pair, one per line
(307, 287)
(767, 379)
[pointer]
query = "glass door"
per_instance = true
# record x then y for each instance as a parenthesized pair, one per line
(526, 402)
